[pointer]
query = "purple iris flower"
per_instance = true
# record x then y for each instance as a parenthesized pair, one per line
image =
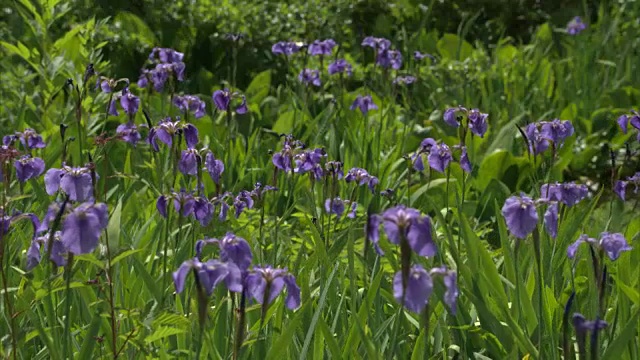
(82, 227)
(75, 182)
(520, 214)
(209, 275)
(190, 104)
(242, 201)
(388, 58)
(28, 138)
(143, 79)
(183, 203)
(419, 287)
(322, 47)
(407, 224)
(223, 99)
(612, 244)
(58, 251)
(165, 55)
(364, 103)
(309, 77)
(259, 190)
(166, 130)
(232, 249)
(551, 220)
(556, 130)
(129, 102)
(439, 157)
(264, 284)
(420, 56)
(582, 325)
(28, 167)
(537, 143)
(450, 279)
(286, 48)
(450, 116)
(214, 167)
(567, 193)
(465, 164)
(163, 71)
(404, 80)
(189, 161)
(634, 120)
(361, 177)
(340, 66)
(620, 189)
(477, 122)
(307, 161)
(576, 26)
(376, 43)
(128, 132)
(334, 169)
(203, 210)
(334, 206)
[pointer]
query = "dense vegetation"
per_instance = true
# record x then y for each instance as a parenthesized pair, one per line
(330, 180)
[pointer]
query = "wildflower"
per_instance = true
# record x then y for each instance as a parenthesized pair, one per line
(286, 48)
(376, 43)
(414, 295)
(361, 177)
(477, 121)
(634, 120)
(551, 220)
(58, 251)
(439, 157)
(108, 85)
(404, 80)
(166, 130)
(612, 244)
(537, 143)
(567, 193)
(450, 279)
(203, 210)
(163, 71)
(74, 181)
(340, 66)
(310, 77)
(259, 190)
(465, 164)
(28, 167)
(364, 103)
(143, 79)
(209, 274)
(190, 104)
(264, 284)
(165, 55)
(322, 48)
(242, 201)
(82, 227)
(214, 167)
(334, 169)
(521, 215)
(388, 58)
(417, 55)
(308, 160)
(28, 138)
(232, 249)
(621, 186)
(576, 26)
(407, 224)
(128, 132)
(556, 130)
(223, 99)
(189, 160)
(372, 232)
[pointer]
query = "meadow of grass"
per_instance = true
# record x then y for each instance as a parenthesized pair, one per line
(419, 197)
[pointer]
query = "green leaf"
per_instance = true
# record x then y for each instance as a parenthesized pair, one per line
(163, 332)
(453, 47)
(281, 344)
(124, 255)
(259, 87)
(617, 347)
(89, 342)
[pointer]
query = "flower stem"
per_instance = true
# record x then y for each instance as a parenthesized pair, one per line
(67, 310)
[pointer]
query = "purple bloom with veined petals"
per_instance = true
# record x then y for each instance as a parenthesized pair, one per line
(364, 103)
(576, 26)
(372, 231)
(183, 203)
(407, 224)
(376, 43)
(223, 99)
(58, 251)
(189, 161)
(334, 206)
(567, 193)
(143, 79)
(419, 287)
(203, 210)
(282, 159)
(75, 182)
(465, 164)
(81, 229)
(310, 77)
(264, 284)
(582, 325)
(551, 220)
(285, 48)
(321, 48)
(537, 143)
(129, 102)
(361, 177)
(128, 132)
(450, 117)
(209, 275)
(28, 138)
(404, 80)
(450, 280)
(623, 122)
(166, 55)
(28, 167)
(190, 104)
(307, 160)
(214, 167)
(161, 205)
(242, 201)
(113, 109)
(556, 130)
(439, 157)
(340, 66)
(388, 58)
(520, 215)
(620, 189)
(613, 244)
(477, 122)
(232, 249)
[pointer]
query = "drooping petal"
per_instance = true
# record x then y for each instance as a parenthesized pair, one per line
(78, 186)
(614, 244)
(293, 292)
(520, 215)
(372, 231)
(81, 232)
(551, 220)
(161, 205)
(419, 237)
(52, 180)
(180, 275)
(419, 288)
(191, 135)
